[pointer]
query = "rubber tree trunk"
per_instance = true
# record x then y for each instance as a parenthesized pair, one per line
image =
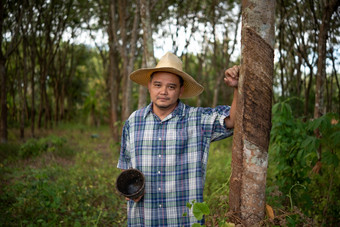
(148, 53)
(253, 122)
(3, 122)
(114, 73)
(329, 7)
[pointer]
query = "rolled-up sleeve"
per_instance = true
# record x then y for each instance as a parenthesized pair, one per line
(124, 161)
(214, 124)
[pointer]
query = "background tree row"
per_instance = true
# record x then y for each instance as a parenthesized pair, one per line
(48, 76)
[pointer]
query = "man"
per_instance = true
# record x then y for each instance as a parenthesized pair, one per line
(169, 142)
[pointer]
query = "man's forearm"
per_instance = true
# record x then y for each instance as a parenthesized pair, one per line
(230, 121)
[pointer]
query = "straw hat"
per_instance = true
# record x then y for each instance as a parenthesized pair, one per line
(172, 64)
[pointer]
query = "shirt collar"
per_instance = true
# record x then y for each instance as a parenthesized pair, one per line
(178, 111)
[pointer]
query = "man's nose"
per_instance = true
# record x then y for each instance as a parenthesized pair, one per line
(164, 90)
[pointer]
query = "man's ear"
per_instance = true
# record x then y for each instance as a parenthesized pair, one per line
(181, 92)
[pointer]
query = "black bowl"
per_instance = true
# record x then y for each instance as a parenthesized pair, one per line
(131, 183)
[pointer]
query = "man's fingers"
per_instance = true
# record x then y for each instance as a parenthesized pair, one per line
(232, 72)
(139, 198)
(231, 76)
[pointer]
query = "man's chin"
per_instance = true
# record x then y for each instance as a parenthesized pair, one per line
(162, 106)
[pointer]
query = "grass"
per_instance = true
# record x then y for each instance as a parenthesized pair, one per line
(64, 177)
(216, 189)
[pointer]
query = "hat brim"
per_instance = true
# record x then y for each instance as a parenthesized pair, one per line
(191, 87)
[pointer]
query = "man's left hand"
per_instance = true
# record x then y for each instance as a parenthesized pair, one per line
(231, 76)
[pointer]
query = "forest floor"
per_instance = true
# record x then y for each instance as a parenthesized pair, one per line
(66, 177)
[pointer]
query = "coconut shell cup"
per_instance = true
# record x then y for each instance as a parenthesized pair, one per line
(131, 183)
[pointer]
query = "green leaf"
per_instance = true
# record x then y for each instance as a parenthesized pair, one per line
(330, 159)
(335, 137)
(291, 221)
(314, 124)
(200, 209)
(311, 143)
(275, 109)
(196, 225)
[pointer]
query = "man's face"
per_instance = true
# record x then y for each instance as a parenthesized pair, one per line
(165, 89)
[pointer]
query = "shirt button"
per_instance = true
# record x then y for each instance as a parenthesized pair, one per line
(159, 172)
(160, 205)
(159, 189)
(160, 156)
(159, 138)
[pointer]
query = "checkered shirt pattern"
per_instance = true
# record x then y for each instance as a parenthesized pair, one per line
(173, 155)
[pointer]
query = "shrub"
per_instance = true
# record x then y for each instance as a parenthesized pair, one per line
(35, 147)
(304, 165)
(79, 195)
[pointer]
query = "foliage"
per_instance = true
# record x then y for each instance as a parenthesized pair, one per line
(35, 147)
(199, 210)
(304, 165)
(216, 188)
(9, 151)
(78, 190)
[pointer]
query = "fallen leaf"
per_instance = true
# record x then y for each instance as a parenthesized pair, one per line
(270, 212)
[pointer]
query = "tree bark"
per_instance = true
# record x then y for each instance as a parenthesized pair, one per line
(336, 80)
(329, 8)
(7, 48)
(3, 80)
(127, 52)
(307, 91)
(24, 92)
(253, 122)
(114, 74)
(148, 53)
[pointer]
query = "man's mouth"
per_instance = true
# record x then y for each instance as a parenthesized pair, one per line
(163, 99)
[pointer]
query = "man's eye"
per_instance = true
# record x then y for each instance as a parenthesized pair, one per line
(157, 85)
(172, 87)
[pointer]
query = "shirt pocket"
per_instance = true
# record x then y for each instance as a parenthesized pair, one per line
(177, 140)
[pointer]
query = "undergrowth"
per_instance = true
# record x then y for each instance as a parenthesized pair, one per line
(67, 177)
(63, 180)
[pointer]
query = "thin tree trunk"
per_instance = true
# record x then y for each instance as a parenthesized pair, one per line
(5, 52)
(319, 108)
(253, 123)
(131, 57)
(199, 78)
(24, 108)
(336, 79)
(32, 90)
(148, 54)
(114, 73)
(328, 9)
(42, 97)
(128, 55)
(3, 123)
(307, 91)
(23, 91)
(298, 76)
(113, 94)
(281, 59)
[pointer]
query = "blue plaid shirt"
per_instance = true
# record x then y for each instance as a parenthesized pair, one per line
(173, 155)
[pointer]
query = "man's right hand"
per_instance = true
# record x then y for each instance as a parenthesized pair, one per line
(135, 200)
